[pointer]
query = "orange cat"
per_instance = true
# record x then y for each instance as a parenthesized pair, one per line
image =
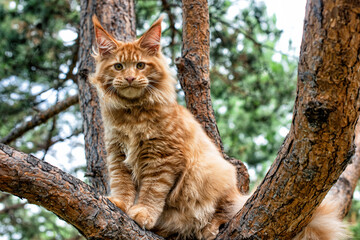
(165, 172)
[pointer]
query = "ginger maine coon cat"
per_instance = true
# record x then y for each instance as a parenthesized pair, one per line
(165, 172)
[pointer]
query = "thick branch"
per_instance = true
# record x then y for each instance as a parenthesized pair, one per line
(194, 64)
(71, 199)
(194, 76)
(117, 17)
(40, 118)
(320, 143)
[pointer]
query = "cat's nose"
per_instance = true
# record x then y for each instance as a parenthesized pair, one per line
(129, 79)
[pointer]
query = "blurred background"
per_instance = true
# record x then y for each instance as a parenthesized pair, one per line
(254, 52)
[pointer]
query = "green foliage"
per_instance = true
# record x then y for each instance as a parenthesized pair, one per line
(252, 93)
(34, 60)
(29, 222)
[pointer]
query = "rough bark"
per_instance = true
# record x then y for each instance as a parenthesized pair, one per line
(40, 118)
(194, 65)
(118, 18)
(346, 184)
(320, 143)
(71, 199)
(194, 76)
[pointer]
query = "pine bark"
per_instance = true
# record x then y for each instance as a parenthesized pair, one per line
(118, 17)
(194, 76)
(74, 201)
(320, 143)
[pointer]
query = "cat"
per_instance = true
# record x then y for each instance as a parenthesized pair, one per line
(165, 172)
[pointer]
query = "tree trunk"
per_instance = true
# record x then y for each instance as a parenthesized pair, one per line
(118, 18)
(194, 76)
(320, 143)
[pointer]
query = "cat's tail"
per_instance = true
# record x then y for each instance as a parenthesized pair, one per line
(326, 223)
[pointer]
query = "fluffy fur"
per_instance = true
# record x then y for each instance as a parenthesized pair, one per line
(325, 223)
(165, 172)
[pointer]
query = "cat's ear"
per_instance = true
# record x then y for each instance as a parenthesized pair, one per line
(105, 42)
(150, 40)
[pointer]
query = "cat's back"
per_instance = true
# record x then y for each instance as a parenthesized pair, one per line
(206, 170)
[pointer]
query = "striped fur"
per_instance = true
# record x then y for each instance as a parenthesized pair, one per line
(165, 172)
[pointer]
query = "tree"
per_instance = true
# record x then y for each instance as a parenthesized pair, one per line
(312, 157)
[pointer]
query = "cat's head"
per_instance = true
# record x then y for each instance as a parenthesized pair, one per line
(132, 73)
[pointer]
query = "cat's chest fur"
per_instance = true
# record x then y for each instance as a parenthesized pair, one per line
(130, 128)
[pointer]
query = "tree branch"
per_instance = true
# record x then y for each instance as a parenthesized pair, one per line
(4, 196)
(166, 7)
(74, 60)
(8, 209)
(47, 143)
(194, 76)
(247, 35)
(58, 139)
(40, 118)
(320, 143)
(74, 201)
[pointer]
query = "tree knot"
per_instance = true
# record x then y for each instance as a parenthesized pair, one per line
(84, 73)
(317, 113)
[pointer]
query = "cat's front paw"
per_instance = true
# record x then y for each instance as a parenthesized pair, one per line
(209, 235)
(119, 203)
(140, 214)
(209, 232)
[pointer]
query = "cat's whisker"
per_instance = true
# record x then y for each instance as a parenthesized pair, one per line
(151, 89)
(154, 81)
(155, 93)
(106, 83)
(111, 90)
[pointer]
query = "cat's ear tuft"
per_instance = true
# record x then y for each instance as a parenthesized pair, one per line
(150, 40)
(105, 42)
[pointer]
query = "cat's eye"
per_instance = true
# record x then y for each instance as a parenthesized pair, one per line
(140, 65)
(118, 66)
